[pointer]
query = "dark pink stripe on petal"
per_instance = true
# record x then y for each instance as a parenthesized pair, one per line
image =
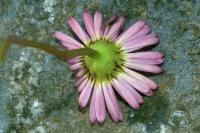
(138, 85)
(92, 113)
(69, 46)
(80, 73)
(67, 40)
(110, 20)
(111, 103)
(142, 41)
(147, 61)
(98, 24)
(80, 80)
(132, 90)
(145, 30)
(82, 85)
(126, 94)
(85, 94)
(75, 66)
(130, 31)
(113, 96)
(145, 55)
(76, 28)
(100, 104)
(73, 60)
(89, 24)
(114, 37)
(106, 31)
(144, 67)
(114, 30)
(142, 78)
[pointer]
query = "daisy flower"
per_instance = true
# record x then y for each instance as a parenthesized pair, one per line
(116, 67)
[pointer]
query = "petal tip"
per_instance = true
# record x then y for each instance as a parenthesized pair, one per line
(85, 11)
(155, 40)
(92, 121)
(155, 87)
(162, 55)
(142, 22)
(98, 12)
(101, 119)
(69, 19)
(55, 33)
(80, 103)
(137, 107)
(156, 69)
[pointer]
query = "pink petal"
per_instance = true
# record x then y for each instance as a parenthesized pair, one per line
(113, 96)
(146, 61)
(83, 84)
(69, 46)
(142, 78)
(141, 42)
(138, 85)
(73, 60)
(112, 104)
(114, 37)
(140, 39)
(100, 104)
(126, 94)
(130, 31)
(67, 40)
(98, 24)
(110, 20)
(92, 115)
(76, 28)
(144, 67)
(106, 31)
(89, 24)
(132, 90)
(145, 30)
(80, 73)
(75, 66)
(146, 55)
(85, 94)
(101, 32)
(80, 80)
(114, 30)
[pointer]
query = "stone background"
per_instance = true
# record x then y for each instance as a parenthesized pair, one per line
(36, 89)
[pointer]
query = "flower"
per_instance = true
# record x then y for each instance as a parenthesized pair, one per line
(115, 68)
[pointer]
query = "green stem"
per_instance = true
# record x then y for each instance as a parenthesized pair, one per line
(65, 54)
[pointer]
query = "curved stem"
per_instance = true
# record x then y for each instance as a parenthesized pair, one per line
(66, 54)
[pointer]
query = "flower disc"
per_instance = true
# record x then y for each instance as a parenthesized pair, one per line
(107, 63)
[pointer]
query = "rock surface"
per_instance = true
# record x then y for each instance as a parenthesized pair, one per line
(36, 89)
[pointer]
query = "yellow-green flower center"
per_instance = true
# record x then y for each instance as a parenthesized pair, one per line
(107, 63)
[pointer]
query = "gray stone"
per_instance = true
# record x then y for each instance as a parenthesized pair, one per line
(36, 89)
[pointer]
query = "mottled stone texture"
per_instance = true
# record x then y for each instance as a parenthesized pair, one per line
(36, 89)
